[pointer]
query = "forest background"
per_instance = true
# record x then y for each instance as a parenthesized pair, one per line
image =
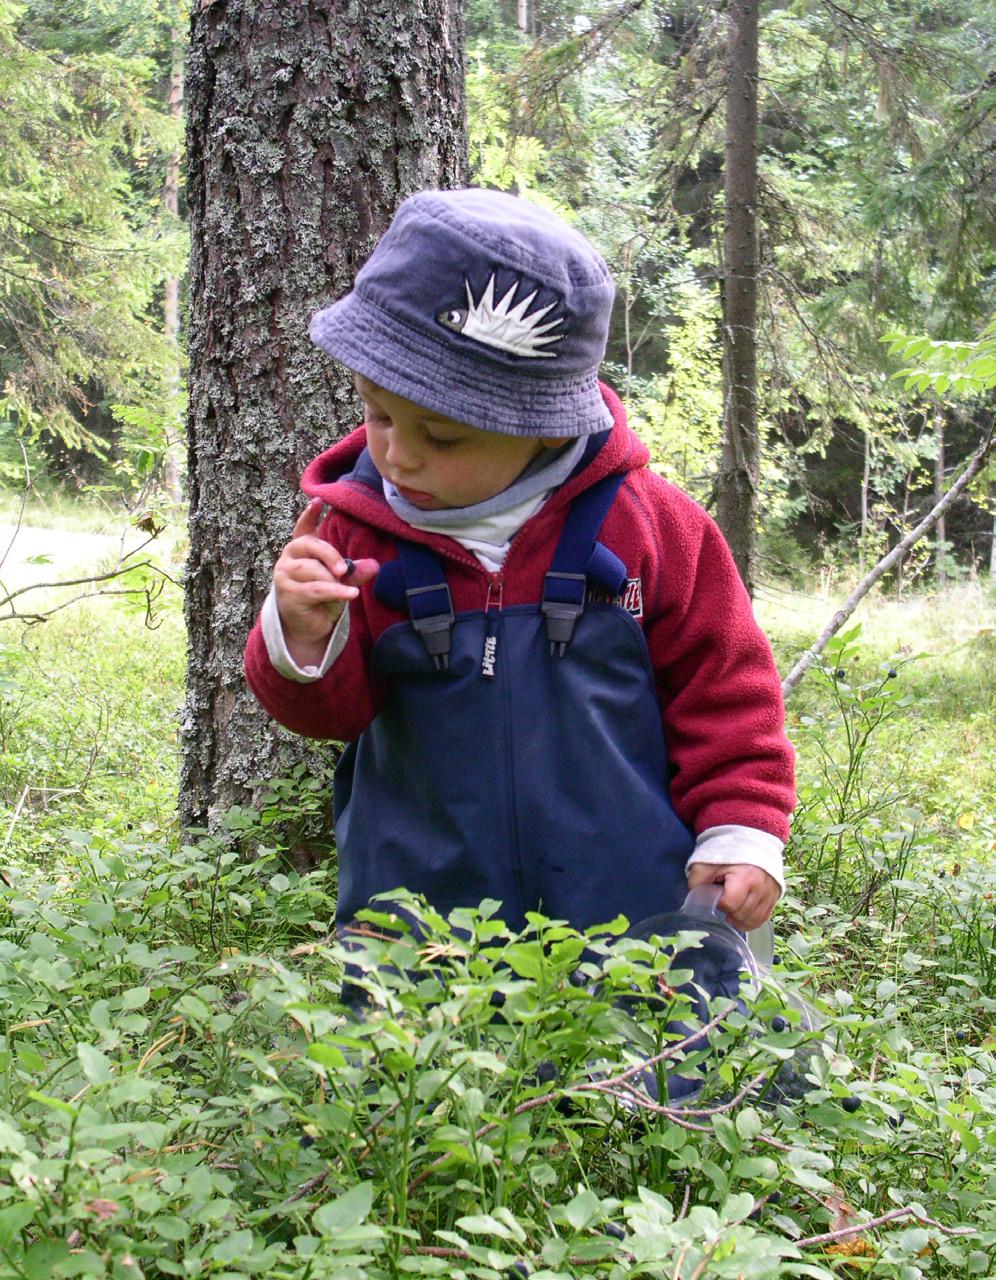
(145, 1130)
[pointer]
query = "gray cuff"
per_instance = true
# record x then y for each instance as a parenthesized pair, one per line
(745, 845)
(276, 645)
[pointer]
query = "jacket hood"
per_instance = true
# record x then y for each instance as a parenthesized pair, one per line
(345, 479)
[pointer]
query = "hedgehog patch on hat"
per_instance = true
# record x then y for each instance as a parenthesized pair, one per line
(506, 325)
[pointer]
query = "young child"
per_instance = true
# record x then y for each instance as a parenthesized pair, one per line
(539, 651)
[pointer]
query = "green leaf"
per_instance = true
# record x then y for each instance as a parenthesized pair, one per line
(583, 1209)
(170, 1228)
(235, 1248)
(43, 1257)
(748, 1123)
(55, 1103)
(13, 1220)
(525, 959)
(96, 1065)
(326, 1055)
(484, 1224)
(348, 1210)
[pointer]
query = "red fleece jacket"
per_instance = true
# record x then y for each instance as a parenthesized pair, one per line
(719, 691)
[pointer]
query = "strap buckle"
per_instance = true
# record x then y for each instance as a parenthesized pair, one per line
(562, 615)
(434, 628)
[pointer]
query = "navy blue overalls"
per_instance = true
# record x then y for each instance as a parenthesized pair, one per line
(520, 753)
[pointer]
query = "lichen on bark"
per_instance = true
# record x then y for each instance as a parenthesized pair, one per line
(307, 124)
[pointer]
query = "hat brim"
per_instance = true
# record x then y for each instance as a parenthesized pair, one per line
(369, 341)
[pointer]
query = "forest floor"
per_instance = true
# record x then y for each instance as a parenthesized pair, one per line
(181, 1095)
(29, 553)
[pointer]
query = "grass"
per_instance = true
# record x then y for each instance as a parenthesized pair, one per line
(89, 705)
(181, 1093)
(59, 510)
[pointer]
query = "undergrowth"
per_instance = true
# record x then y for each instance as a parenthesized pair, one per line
(183, 1092)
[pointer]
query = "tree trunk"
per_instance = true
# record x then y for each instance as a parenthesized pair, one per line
(307, 124)
(992, 552)
(865, 486)
(940, 529)
(737, 485)
(171, 292)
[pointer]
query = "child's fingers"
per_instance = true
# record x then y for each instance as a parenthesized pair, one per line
(749, 900)
(306, 570)
(362, 570)
(308, 549)
(749, 893)
(309, 519)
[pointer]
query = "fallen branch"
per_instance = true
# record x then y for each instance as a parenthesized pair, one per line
(607, 1086)
(975, 465)
(150, 590)
(908, 1212)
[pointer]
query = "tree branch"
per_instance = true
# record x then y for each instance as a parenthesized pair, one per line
(907, 1212)
(975, 465)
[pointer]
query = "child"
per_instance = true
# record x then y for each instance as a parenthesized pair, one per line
(539, 652)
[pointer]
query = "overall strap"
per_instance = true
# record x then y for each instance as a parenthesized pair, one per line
(579, 556)
(427, 596)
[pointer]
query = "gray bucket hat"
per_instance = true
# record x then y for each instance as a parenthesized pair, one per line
(482, 307)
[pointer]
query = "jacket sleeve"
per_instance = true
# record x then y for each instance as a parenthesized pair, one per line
(718, 686)
(341, 703)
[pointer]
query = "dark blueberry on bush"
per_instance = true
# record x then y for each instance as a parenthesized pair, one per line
(774, 1197)
(851, 1104)
(897, 1120)
(306, 1140)
(778, 1023)
(577, 979)
(892, 673)
(546, 1072)
(565, 1107)
(497, 999)
(518, 1268)
(776, 958)
(961, 1035)
(840, 674)
(614, 1230)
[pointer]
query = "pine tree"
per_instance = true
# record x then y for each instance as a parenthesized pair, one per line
(308, 122)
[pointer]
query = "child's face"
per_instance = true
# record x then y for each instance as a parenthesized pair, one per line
(434, 462)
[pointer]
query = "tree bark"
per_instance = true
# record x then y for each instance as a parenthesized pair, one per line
(171, 291)
(307, 124)
(737, 483)
(940, 529)
(865, 486)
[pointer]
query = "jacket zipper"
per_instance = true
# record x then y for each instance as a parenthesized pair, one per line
(492, 621)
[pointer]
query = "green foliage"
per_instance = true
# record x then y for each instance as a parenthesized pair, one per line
(172, 1106)
(679, 414)
(84, 244)
(183, 1092)
(961, 368)
(872, 208)
(895, 832)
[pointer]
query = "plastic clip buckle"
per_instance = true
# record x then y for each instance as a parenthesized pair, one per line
(562, 615)
(434, 629)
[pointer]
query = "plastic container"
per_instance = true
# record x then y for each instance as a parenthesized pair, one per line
(723, 955)
(722, 963)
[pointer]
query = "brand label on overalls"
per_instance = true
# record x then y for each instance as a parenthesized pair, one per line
(488, 659)
(630, 598)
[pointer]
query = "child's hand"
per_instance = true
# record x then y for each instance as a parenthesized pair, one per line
(749, 894)
(309, 587)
